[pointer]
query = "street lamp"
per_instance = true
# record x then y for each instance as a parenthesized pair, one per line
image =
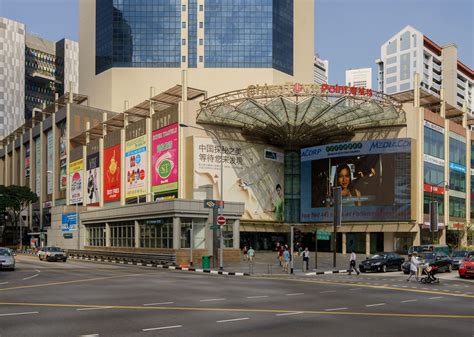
(434, 216)
(221, 206)
(19, 224)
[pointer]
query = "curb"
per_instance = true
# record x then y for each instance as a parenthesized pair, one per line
(197, 270)
(328, 272)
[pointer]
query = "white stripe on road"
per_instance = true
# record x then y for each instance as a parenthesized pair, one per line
(328, 291)
(335, 309)
(406, 301)
(213, 299)
(257, 296)
(295, 294)
(38, 271)
(233, 320)
(290, 313)
(163, 327)
(435, 298)
(375, 305)
(30, 277)
(3, 283)
(100, 308)
(20, 313)
(355, 289)
(161, 303)
(93, 335)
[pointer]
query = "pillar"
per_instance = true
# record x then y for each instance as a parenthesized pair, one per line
(176, 233)
(367, 243)
(236, 234)
(344, 243)
(108, 238)
(137, 234)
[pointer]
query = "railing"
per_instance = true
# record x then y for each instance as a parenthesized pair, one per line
(148, 258)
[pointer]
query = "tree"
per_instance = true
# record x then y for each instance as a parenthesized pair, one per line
(13, 201)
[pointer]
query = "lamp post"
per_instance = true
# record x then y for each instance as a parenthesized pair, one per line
(19, 224)
(446, 188)
(221, 206)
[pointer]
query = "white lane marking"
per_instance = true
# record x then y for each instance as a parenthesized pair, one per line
(375, 305)
(163, 327)
(290, 313)
(20, 313)
(295, 294)
(435, 289)
(262, 296)
(38, 271)
(406, 301)
(3, 283)
(213, 299)
(101, 308)
(233, 320)
(93, 335)
(328, 291)
(435, 298)
(355, 289)
(30, 277)
(335, 309)
(158, 303)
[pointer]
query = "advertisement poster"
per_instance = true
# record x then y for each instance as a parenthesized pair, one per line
(38, 167)
(112, 167)
(375, 178)
(62, 157)
(76, 173)
(135, 166)
(69, 222)
(62, 174)
(27, 160)
(93, 176)
(62, 140)
(248, 176)
(49, 162)
(165, 159)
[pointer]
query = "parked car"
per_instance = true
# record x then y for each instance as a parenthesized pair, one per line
(430, 248)
(466, 269)
(52, 254)
(7, 258)
(440, 260)
(459, 256)
(382, 262)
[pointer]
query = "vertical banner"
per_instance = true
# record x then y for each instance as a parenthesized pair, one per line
(135, 165)
(165, 159)
(93, 193)
(76, 172)
(62, 157)
(49, 162)
(38, 166)
(112, 173)
(27, 160)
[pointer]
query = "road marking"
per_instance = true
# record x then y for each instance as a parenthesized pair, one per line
(3, 283)
(30, 277)
(93, 335)
(158, 303)
(295, 294)
(435, 298)
(290, 313)
(406, 301)
(355, 289)
(375, 305)
(335, 309)
(233, 320)
(163, 328)
(213, 299)
(262, 296)
(328, 291)
(94, 308)
(20, 313)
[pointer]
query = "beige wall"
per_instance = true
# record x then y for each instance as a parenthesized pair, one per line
(449, 69)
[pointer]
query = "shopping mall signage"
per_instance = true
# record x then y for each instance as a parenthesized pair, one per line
(305, 90)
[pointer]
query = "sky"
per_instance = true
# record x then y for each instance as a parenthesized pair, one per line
(348, 33)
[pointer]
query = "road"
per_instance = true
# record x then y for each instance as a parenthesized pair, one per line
(79, 298)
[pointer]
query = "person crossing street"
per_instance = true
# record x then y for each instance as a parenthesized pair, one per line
(353, 263)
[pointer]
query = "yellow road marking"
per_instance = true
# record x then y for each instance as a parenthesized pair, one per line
(347, 313)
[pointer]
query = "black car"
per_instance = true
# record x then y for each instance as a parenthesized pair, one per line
(382, 262)
(440, 260)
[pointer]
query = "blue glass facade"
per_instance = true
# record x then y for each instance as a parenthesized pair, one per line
(192, 33)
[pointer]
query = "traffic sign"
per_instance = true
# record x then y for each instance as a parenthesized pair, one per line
(221, 220)
(210, 203)
(215, 227)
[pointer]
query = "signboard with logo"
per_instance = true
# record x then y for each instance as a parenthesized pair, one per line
(49, 162)
(165, 159)
(112, 166)
(92, 178)
(135, 167)
(76, 174)
(375, 178)
(69, 222)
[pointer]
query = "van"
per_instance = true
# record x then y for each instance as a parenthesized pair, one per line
(430, 248)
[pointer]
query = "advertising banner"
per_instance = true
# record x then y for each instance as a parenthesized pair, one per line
(27, 160)
(76, 174)
(69, 222)
(135, 166)
(49, 162)
(62, 157)
(38, 167)
(112, 166)
(62, 174)
(165, 159)
(248, 176)
(375, 177)
(93, 175)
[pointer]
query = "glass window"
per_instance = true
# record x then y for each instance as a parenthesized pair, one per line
(200, 58)
(405, 66)
(433, 143)
(457, 181)
(96, 235)
(392, 47)
(429, 197)
(183, 24)
(183, 42)
(201, 8)
(457, 151)
(122, 234)
(192, 34)
(201, 42)
(183, 59)
(156, 233)
(201, 24)
(183, 8)
(433, 174)
(291, 188)
(405, 41)
(457, 207)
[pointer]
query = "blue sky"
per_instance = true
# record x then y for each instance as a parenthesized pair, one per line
(348, 33)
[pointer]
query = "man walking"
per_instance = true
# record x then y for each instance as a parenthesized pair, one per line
(305, 255)
(251, 254)
(413, 267)
(353, 263)
(286, 259)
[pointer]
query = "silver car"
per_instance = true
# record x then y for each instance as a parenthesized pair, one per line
(52, 254)
(7, 259)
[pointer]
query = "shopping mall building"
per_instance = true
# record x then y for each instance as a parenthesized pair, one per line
(141, 148)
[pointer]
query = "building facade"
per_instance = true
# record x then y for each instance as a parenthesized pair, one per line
(320, 70)
(360, 77)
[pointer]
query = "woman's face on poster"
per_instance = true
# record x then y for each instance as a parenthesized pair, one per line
(344, 178)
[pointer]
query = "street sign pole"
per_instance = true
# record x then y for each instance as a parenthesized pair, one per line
(215, 247)
(316, 249)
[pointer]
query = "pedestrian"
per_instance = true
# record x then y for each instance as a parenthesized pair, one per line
(286, 259)
(353, 262)
(245, 252)
(280, 254)
(413, 267)
(305, 255)
(251, 254)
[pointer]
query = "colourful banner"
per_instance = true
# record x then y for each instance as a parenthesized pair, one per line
(112, 166)
(49, 162)
(62, 174)
(135, 165)
(93, 175)
(38, 166)
(165, 159)
(76, 174)
(27, 160)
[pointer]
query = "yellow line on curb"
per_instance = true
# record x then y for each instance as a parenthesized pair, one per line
(346, 313)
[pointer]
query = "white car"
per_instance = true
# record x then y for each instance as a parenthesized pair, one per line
(7, 258)
(52, 254)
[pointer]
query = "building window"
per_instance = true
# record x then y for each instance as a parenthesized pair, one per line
(156, 233)
(201, 8)
(200, 58)
(183, 8)
(457, 207)
(123, 234)
(433, 143)
(96, 235)
(183, 42)
(433, 174)
(457, 151)
(457, 181)
(428, 197)
(201, 24)
(183, 59)
(201, 42)
(183, 24)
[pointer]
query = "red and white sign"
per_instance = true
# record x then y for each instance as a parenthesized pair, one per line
(433, 189)
(221, 220)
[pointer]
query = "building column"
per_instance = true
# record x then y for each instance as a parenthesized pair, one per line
(137, 234)
(344, 243)
(367, 243)
(236, 234)
(176, 233)
(108, 238)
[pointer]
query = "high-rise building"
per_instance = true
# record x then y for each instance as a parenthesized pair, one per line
(129, 46)
(359, 77)
(320, 70)
(34, 69)
(409, 52)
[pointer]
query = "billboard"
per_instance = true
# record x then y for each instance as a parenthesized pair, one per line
(62, 157)
(76, 174)
(135, 166)
(165, 159)
(69, 222)
(49, 162)
(112, 166)
(93, 176)
(27, 160)
(375, 177)
(249, 176)
(38, 166)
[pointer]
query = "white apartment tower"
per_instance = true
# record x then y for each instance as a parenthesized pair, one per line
(320, 70)
(359, 77)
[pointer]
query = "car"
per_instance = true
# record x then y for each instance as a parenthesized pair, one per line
(440, 260)
(459, 256)
(466, 268)
(430, 248)
(7, 258)
(52, 254)
(382, 262)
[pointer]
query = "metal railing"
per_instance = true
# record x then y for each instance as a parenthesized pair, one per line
(148, 258)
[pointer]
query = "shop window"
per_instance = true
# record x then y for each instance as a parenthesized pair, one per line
(123, 234)
(457, 207)
(96, 236)
(156, 233)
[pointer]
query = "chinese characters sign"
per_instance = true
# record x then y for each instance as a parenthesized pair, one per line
(112, 167)
(76, 173)
(135, 165)
(165, 159)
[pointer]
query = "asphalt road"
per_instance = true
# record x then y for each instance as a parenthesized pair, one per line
(93, 299)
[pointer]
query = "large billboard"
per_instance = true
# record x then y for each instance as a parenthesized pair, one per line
(62, 157)
(253, 174)
(112, 167)
(38, 166)
(135, 166)
(76, 174)
(49, 162)
(375, 178)
(93, 176)
(165, 159)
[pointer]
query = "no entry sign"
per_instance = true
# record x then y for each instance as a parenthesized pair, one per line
(221, 220)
